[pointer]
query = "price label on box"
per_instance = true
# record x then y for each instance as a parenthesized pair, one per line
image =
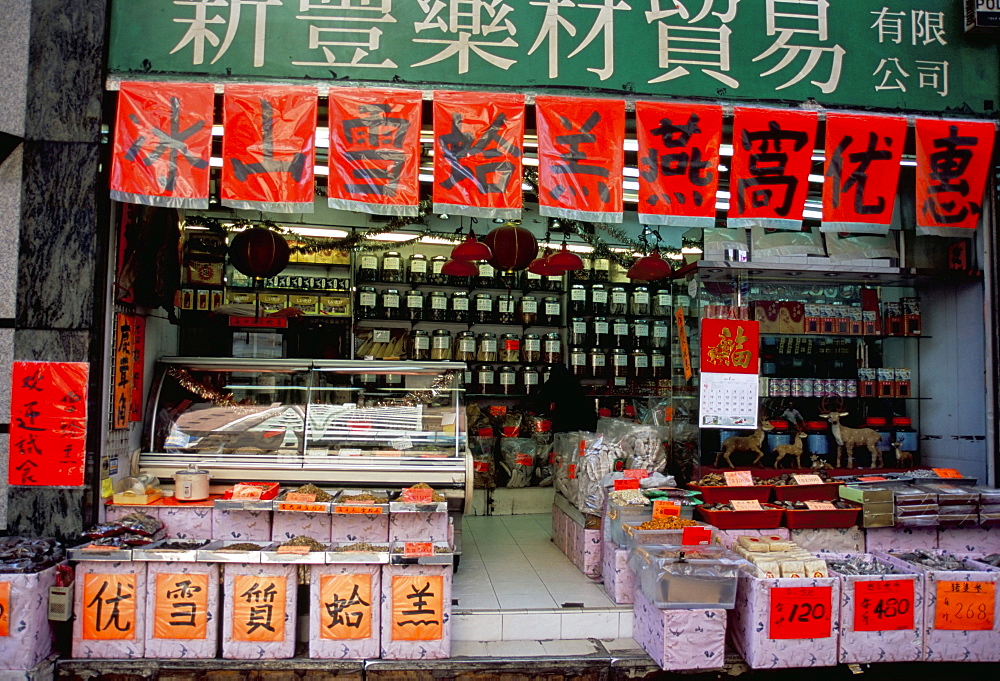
(635, 473)
(746, 505)
(363, 510)
(415, 549)
(801, 612)
(626, 484)
(738, 478)
(401, 443)
(417, 495)
(693, 536)
(883, 606)
(666, 509)
(820, 506)
(300, 497)
(871, 478)
(807, 479)
(947, 473)
(965, 606)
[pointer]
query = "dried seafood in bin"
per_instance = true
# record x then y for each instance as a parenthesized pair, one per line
(437, 549)
(668, 523)
(719, 480)
(992, 559)
(179, 545)
(786, 479)
(629, 497)
(933, 561)
(299, 540)
(321, 496)
(861, 566)
(19, 554)
(363, 546)
(436, 496)
(801, 505)
(364, 498)
(241, 546)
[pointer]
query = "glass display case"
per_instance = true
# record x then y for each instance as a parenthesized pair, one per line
(322, 421)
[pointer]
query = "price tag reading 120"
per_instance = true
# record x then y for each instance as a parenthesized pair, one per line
(801, 612)
(883, 606)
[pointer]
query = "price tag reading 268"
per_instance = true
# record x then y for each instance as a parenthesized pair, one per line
(801, 612)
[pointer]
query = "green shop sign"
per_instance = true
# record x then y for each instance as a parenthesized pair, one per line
(883, 54)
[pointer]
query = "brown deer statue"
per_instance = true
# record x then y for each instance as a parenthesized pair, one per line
(744, 443)
(903, 459)
(818, 464)
(849, 438)
(793, 450)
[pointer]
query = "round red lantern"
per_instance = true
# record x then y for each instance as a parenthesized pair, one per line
(513, 247)
(258, 252)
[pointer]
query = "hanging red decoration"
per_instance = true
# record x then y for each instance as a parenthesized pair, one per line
(258, 252)
(513, 247)
(543, 267)
(459, 268)
(471, 249)
(566, 260)
(650, 268)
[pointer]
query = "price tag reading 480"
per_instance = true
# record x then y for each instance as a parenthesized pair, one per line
(883, 606)
(801, 612)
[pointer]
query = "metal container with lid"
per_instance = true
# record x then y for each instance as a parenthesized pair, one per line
(391, 304)
(527, 310)
(578, 299)
(510, 347)
(420, 345)
(659, 333)
(367, 268)
(639, 365)
(554, 282)
(367, 302)
(465, 346)
(597, 361)
(507, 380)
(552, 348)
(639, 301)
(508, 280)
(482, 312)
(577, 331)
(534, 282)
(599, 299)
(600, 331)
(529, 378)
(551, 311)
(506, 309)
(414, 305)
(486, 347)
(578, 362)
(441, 345)
(416, 269)
(602, 270)
(436, 276)
(663, 305)
(620, 337)
(657, 364)
(191, 484)
(584, 274)
(619, 363)
(392, 267)
(618, 300)
(459, 307)
(531, 348)
(486, 278)
(640, 333)
(437, 306)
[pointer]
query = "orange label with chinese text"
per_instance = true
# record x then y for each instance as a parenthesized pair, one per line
(4, 608)
(965, 606)
(109, 607)
(666, 509)
(306, 508)
(746, 505)
(180, 608)
(122, 385)
(417, 495)
(345, 607)
(300, 497)
(738, 478)
(947, 473)
(258, 608)
(366, 510)
(682, 339)
(417, 608)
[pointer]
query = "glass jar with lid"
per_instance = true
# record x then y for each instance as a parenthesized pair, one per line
(459, 311)
(436, 276)
(507, 280)
(551, 311)
(619, 363)
(659, 334)
(414, 305)
(577, 299)
(506, 309)
(554, 282)
(657, 364)
(578, 362)
(618, 300)
(620, 333)
(437, 306)
(600, 331)
(663, 303)
(640, 333)
(527, 310)
(483, 312)
(367, 302)
(510, 347)
(507, 380)
(465, 346)
(441, 345)
(639, 365)
(533, 282)
(487, 275)
(420, 345)
(391, 304)
(394, 381)
(577, 331)
(602, 270)
(416, 269)
(597, 361)
(583, 274)
(639, 302)
(368, 381)
(598, 299)
(529, 378)
(392, 267)
(485, 381)
(552, 348)
(486, 347)
(367, 268)
(531, 348)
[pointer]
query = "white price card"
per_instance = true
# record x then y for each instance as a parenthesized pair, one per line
(381, 336)
(401, 443)
(807, 479)
(820, 506)
(738, 478)
(746, 505)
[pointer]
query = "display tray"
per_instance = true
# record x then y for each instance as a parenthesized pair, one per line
(718, 494)
(344, 505)
(830, 518)
(827, 491)
(379, 554)
(300, 506)
(273, 555)
(244, 504)
(400, 554)
(216, 553)
(161, 551)
(414, 507)
(636, 537)
(768, 518)
(98, 553)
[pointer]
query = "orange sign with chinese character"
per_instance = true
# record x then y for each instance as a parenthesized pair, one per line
(730, 346)
(258, 608)
(682, 339)
(345, 608)
(180, 606)
(109, 607)
(965, 606)
(4, 608)
(417, 608)
(121, 408)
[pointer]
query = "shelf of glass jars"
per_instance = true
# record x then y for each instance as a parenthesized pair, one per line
(289, 290)
(452, 325)
(470, 287)
(864, 337)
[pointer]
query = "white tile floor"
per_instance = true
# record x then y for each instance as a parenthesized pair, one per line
(513, 584)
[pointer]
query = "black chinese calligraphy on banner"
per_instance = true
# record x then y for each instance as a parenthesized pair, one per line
(953, 159)
(375, 150)
(478, 147)
(123, 370)
(180, 607)
(772, 157)
(48, 423)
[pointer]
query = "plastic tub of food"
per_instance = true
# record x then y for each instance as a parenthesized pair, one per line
(719, 494)
(621, 514)
(768, 517)
(633, 536)
(677, 577)
(825, 518)
(826, 491)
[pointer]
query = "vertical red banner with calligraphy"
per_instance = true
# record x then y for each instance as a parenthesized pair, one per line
(478, 147)
(581, 156)
(772, 158)
(48, 423)
(953, 162)
(121, 392)
(678, 163)
(375, 150)
(163, 141)
(269, 148)
(138, 366)
(863, 155)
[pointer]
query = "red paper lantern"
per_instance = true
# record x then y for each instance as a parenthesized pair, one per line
(513, 247)
(650, 268)
(471, 249)
(459, 268)
(259, 253)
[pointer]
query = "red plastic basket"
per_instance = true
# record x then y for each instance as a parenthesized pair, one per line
(743, 520)
(837, 518)
(720, 494)
(828, 491)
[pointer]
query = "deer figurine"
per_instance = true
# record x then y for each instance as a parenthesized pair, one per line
(819, 464)
(793, 450)
(744, 443)
(849, 438)
(903, 459)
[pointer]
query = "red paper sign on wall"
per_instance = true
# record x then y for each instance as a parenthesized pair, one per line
(678, 162)
(883, 606)
(801, 612)
(122, 379)
(269, 148)
(163, 140)
(580, 158)
(730, 346)
(772, 157)
(48, 423)
(478, 142)
(375, 151)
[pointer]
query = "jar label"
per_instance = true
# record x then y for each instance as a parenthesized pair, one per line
(530, 378)
(532, 275)
(369, 262)
(619, 297)
(619, 359)
(602, 264)
(640, 298)
(367, 299)
(488, 345)
(552, 346)
(390, 300)
(599, 296)
(418, 266)
(641, 361)
(484, 304)
(467, 345)
(393, 379)
(486, 377)
(600, 327)
(529, 306)
(506, 305)
(577, 359)
(442, 342)
(579, 327)
(664, 299)
(597, 360)
(660, 331)
(421, 343)
(414, 301)
(683, 301)
(659, 361)
(437, 266)
(641, 330)
(486, 269)
(532, 345)
(620, 381)
(551, 308)
(507, 378)
(578, 294)
(439, 303)
(621, 329)
(460, 303)
(390, 264)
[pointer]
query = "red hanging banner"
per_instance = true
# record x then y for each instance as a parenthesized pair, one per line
(478, 147)
(953, 160)
(269, 148)
(580, 158)
(772, 157)
(730, 346)
(138, 369)
(48, 423)
(122, 381)
(163, 141)
(863, 155)
(678, 163)
(375, 150)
